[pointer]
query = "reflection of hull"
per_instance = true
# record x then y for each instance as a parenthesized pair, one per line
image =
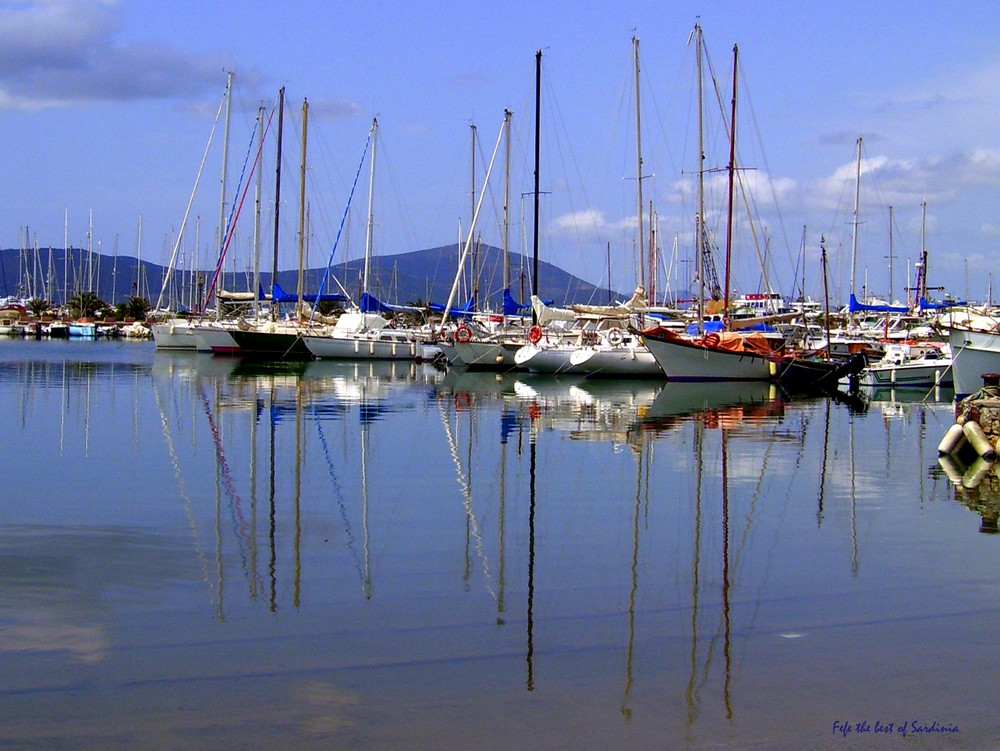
(684, 398)
(362, 348)
(685, 360)
(974, 353)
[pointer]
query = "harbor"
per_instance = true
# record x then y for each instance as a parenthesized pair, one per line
(387, 554)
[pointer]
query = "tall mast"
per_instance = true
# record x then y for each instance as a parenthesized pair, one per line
(256, 219)
(857, 207)
(640, 242)
(922, 289)
(225, 168)
(65, 256)
(732, 172)
(700, 217)
(302, 207)
(890, 256)
(506, 201)
(277, 200)
(538, 142)
(371, 218)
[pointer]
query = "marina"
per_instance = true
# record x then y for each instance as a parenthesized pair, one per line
(213, 551)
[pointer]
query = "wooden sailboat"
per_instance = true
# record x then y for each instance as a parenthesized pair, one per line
(724, 355)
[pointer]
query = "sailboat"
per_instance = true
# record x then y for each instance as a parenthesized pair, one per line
(603, 344)
(362, 333)
(724, 355)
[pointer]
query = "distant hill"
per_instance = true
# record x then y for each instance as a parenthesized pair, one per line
(417, 277)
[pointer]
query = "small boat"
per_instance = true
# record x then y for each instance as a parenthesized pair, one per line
(83, 329)
(910, 365)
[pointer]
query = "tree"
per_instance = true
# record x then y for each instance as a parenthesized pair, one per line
(38, 306)
(85, 304)
(134, 307)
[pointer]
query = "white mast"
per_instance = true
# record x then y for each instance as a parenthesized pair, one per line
(371, 198)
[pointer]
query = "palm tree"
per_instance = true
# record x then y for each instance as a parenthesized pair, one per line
(134, 307)
(85, 304)
(38, 306)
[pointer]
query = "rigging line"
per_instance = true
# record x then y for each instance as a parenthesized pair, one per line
(236, 503)
(237, 207)
(340, 229)
(187, 211)
(465, 489)
(339, 493)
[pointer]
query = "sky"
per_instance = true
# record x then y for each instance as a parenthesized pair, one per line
(109, 107)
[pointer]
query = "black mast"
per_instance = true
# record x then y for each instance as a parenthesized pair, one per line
(538, 109)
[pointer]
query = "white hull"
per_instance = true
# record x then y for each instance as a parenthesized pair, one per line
(173, 335)
(548, 360)
(914, 375)
(690, 361)
(628, 362)
(973, 354)
(485, 355)
(215, 339)
(363, 348)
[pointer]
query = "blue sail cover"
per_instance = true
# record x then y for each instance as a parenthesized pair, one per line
(371, 304)
(466, 311)
(512, 307)
(279, 295)
(854, 306)
(925, 304)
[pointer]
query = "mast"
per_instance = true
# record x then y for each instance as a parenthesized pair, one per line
(890, 256)
(256, 219)
(732, 171)
(700, 217)
(857, 206)
(65, 256)
(922, 287)
(538, 115)
(225, 169)
(826, 295)
(506, 201)
(371, 218)
(640, 243)
(302, 208)
(277, 200)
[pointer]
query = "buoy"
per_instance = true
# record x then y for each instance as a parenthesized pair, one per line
(952, 441)
(615, 337)
(535, 334)
(463, 334)
(978, 439)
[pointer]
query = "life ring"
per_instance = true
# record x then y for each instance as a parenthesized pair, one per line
(712, 340)
(535, 334)
(615, 337)
(463, 334)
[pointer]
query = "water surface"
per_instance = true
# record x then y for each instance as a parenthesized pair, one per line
(198, 553)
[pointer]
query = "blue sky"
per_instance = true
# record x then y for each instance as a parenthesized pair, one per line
(106, 106)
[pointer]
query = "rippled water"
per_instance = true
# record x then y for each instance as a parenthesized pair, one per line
(200, 553)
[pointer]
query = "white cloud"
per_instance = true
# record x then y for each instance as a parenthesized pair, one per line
(58, 53)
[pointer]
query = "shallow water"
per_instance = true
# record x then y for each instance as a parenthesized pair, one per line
(197, 552)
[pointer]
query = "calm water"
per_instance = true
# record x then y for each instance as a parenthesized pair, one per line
(197, 554)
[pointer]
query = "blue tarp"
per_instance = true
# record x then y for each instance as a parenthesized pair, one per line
(371, 304)
(854, 306)
(466, 311)
(512, 307)
(926, 304)
(279, 295)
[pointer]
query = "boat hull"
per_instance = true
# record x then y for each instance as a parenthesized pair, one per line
(484, 355)
(177, 335)
(686, 360)
(973, 353)
(215, 339)
(271, 345)
(362, 348)
(912, 375)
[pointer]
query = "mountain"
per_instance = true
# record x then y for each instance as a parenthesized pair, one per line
(418, 276)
